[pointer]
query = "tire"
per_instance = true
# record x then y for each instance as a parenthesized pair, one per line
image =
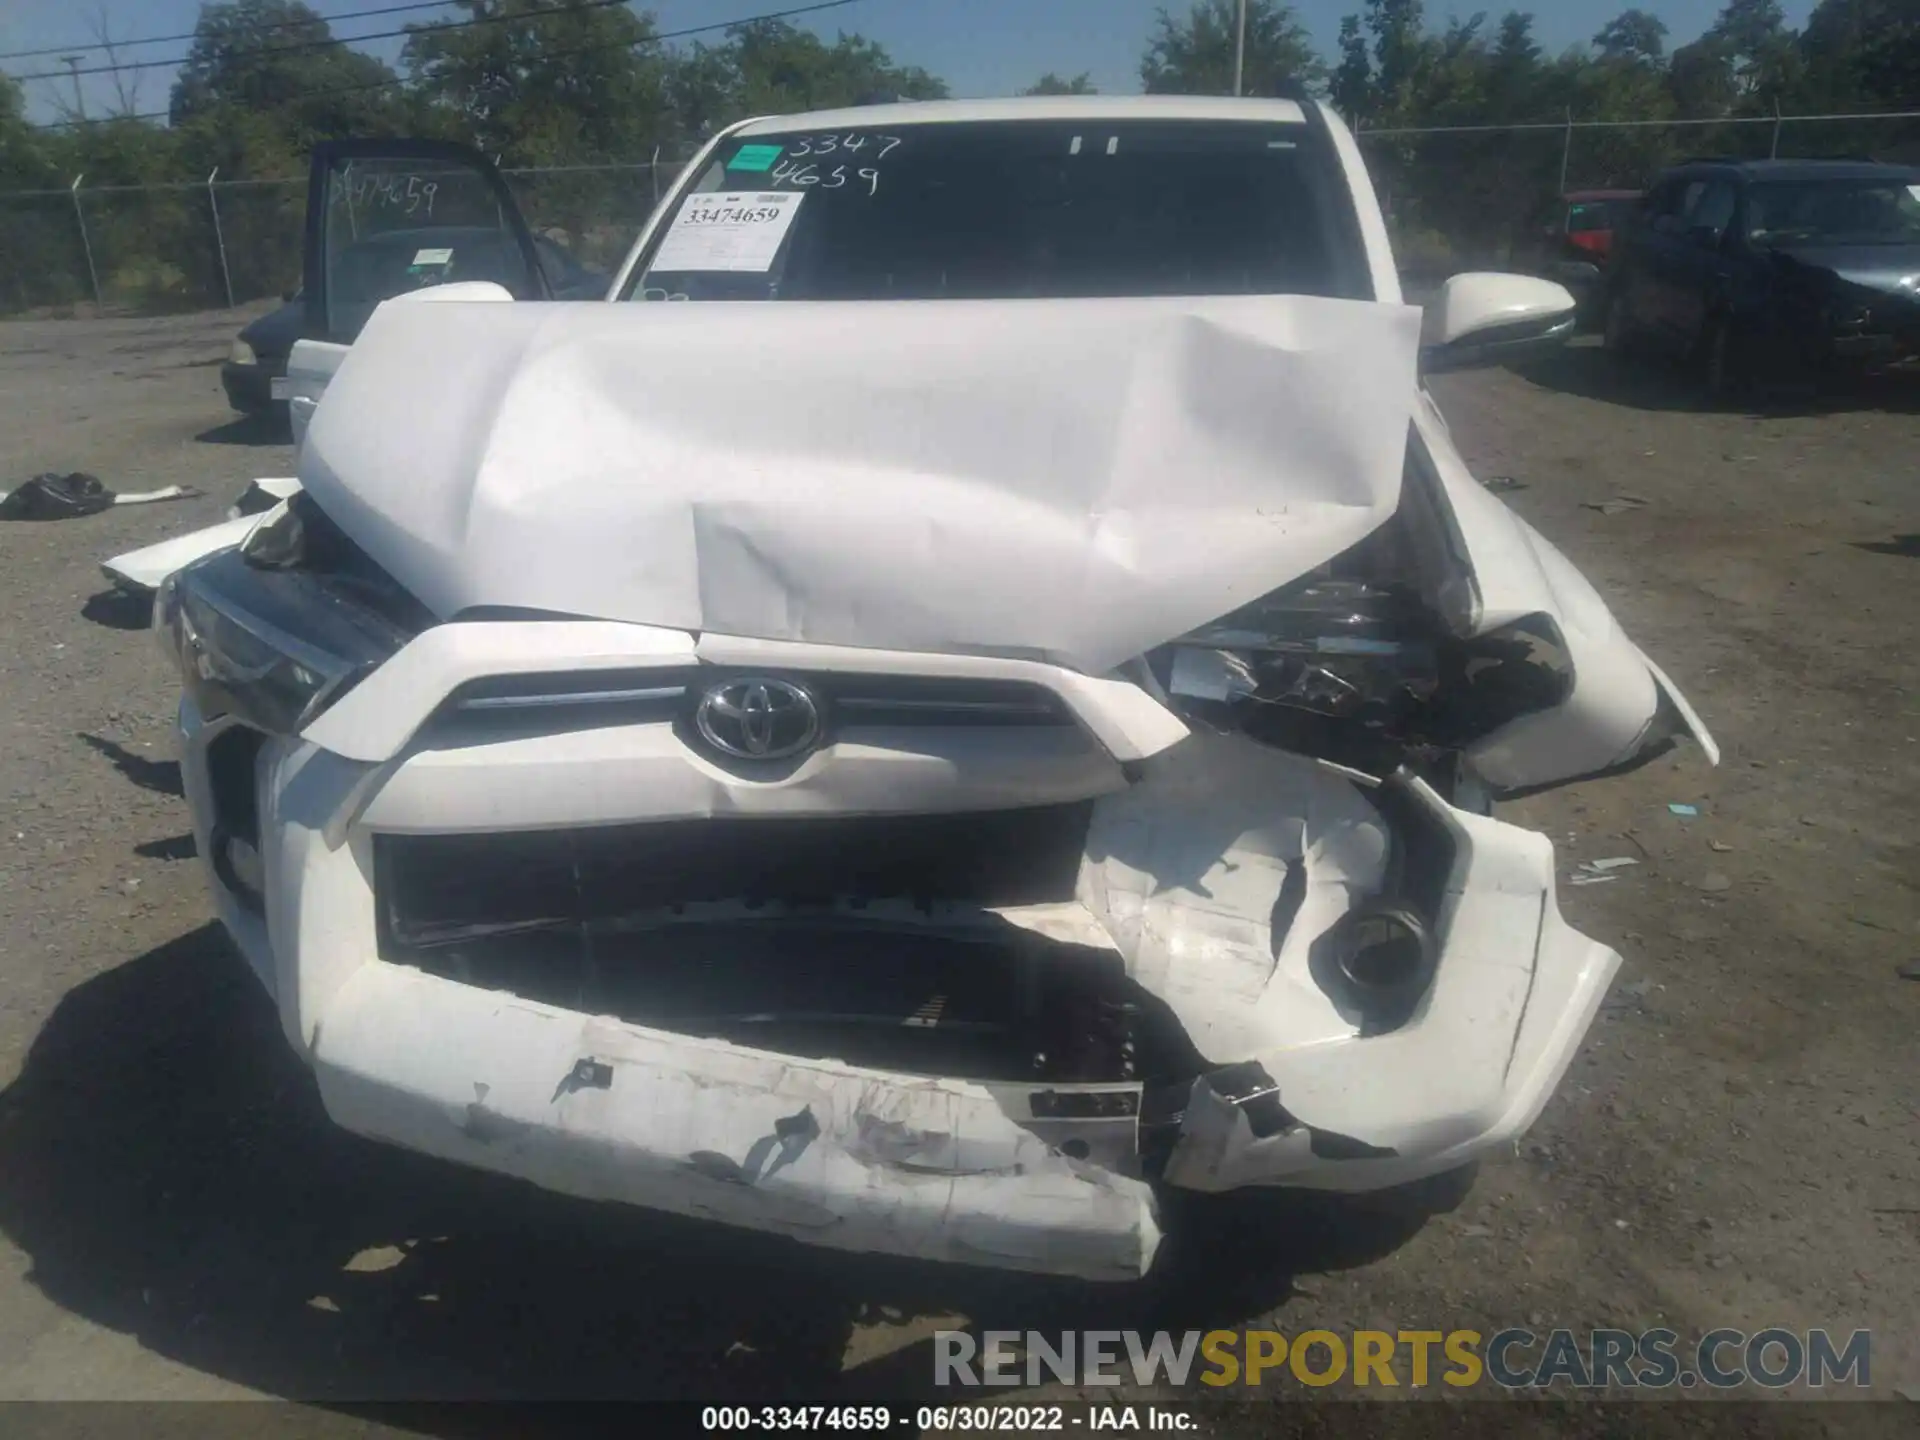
(1617, 335)
(1722, 372)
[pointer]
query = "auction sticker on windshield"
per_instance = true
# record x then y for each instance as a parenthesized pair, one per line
(728, 231)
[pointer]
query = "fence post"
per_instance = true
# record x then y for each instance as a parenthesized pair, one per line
(1774, 153)
(86, 244)
(1566, 151)
(653, 173)
(219, 240)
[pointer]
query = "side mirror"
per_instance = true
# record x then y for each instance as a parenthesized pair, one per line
(1574, 272)
(455, 291)
(1486, 318)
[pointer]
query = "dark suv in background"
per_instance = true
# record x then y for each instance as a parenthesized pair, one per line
(381, 266)
(1772, 270)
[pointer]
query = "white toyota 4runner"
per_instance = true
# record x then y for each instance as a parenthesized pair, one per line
(967, 694)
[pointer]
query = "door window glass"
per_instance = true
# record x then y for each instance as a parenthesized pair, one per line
(1710, 206)
(395, 224)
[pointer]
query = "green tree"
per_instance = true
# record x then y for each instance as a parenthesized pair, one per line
(1052, 84)
(1194, 55)
(278, 58)
(779, 67)
(702, 83)
(1625, 80)
(542, 81)
(1700, 78)
(1762, 53)
(1400, 49)
(1861, 54)
(25, 163)
(263, 80)
(770, 67)
(1633, 35)
(1351, 86)
(40, 258)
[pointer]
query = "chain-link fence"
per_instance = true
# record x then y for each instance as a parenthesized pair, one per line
(1480, 196)
(198, 245)
(1457, 197)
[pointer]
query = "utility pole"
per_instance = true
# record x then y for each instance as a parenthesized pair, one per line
(72, 62)
(1240, 48)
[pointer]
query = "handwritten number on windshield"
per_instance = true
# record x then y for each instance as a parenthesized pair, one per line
(409, 194)
(827, 144)
(789, 173)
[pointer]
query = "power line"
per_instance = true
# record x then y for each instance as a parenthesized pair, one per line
(192, 34)
(306, 45)
(393, 80)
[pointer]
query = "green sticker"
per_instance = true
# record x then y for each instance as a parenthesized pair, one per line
(754, 157)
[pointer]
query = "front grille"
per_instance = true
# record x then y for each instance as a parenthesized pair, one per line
(439, 887)
(795, 935)
(557, 703)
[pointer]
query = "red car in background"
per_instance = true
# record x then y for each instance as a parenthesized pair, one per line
(1589, 219)
(1580, 240)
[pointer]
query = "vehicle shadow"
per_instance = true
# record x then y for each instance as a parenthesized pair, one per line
(264, 428)
(165, 1163)
(1659, 383)
(171, 847)
(1907, 546)
(119, 610)
(162, 777)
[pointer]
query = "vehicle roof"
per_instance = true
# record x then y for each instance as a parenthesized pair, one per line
(1035, 107)
(1803, 169)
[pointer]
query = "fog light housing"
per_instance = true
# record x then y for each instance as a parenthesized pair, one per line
(1383, 959)
(237, 865)
(243, 859)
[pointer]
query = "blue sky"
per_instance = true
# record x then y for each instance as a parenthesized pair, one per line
(981, 47)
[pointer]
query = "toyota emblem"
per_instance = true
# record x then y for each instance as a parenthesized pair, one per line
(758, 719)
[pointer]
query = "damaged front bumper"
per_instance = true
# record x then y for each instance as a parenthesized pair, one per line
(1204, 892)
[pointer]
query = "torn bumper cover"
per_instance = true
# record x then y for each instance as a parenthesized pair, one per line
(1215, 882)
(829, 1154)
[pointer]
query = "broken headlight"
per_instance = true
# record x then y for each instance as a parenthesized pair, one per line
(1341, 648)
(272, 648)
(1356, 669)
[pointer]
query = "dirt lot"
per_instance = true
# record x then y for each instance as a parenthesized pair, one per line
(1738, 1144)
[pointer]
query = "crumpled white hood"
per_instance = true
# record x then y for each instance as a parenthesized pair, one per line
(1076, 481)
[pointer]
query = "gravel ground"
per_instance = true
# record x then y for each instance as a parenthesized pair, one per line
(1738, 1143)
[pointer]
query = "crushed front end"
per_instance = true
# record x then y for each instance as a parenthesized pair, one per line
(926, 825)
(999, 950)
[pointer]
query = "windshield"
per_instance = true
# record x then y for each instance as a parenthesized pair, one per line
(1009, 210)
(1838, 212)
